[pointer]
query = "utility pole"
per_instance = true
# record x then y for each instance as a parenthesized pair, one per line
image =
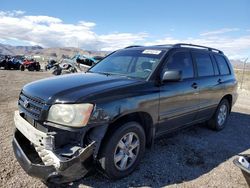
(243, 74)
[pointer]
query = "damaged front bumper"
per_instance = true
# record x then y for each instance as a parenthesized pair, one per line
(34, 151)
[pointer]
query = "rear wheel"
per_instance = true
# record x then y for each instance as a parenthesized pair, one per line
(123, 151)
(219, 119)
(31, 68)
(38, 68)
(22, 68)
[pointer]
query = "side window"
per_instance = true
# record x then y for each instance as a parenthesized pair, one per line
(204, 64)
(223, 66)
(181, 61)
(216, 69)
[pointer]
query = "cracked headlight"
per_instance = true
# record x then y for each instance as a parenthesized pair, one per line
(73, 115)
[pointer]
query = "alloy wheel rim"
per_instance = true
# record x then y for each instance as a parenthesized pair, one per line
(222, 115)
(126, 151)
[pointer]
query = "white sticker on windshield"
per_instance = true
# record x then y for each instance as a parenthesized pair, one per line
(154, 52)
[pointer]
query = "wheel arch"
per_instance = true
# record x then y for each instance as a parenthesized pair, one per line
(143, 118)
(229, 98)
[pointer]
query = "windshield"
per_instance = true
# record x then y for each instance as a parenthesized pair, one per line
(131, 63)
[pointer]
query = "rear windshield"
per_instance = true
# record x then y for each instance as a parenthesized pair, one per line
(131, 63)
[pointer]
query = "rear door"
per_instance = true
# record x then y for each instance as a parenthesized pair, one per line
(226, 78)
(179, 101)
(209, 81)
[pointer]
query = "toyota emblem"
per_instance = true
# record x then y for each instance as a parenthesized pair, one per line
(26, 103)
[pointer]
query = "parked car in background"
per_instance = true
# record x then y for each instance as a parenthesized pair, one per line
(54, 66)
(9, 62)
(30, 65)
(51, 63)
(108, 115)
(19, 58)
(78, 63)
(98, 58)
(3, 62)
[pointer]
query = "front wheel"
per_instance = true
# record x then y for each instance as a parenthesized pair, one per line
(219, 119)
(123, 151)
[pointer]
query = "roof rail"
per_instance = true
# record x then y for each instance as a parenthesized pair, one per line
(133, 46)
(163, 45)
(198, 46)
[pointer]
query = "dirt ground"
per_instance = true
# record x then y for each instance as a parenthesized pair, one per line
(196, 157)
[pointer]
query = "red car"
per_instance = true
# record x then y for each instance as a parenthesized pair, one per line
(31, 65)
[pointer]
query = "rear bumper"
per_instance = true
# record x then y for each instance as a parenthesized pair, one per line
(31, 160)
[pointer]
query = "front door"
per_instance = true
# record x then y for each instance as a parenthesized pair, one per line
(179, 101)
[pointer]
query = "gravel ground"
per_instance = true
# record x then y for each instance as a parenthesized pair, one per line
(196, 157)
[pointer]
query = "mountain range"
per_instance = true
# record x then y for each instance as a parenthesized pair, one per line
(71, 51)
(46, 52)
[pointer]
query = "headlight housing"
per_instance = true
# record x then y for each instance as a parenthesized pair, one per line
(73, 115)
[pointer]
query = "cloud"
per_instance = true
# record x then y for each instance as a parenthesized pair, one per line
(87, 24)
(53, 32)
(233, 47)
(12, 13)
(124, 38)
(42, 19)
(220, 31)
(49, 31)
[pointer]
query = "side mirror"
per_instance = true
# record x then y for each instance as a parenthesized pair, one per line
(171, 76)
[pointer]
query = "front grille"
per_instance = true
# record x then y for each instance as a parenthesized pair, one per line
(30, 106)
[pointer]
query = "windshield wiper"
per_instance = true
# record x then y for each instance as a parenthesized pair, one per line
(113, 74)
(105, 73)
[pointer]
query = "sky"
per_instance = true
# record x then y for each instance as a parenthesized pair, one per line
(109, 25)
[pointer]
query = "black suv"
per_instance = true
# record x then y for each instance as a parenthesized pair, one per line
(106, 117)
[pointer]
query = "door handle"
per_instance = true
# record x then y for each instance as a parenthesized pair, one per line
(194, 85)
(219, 81)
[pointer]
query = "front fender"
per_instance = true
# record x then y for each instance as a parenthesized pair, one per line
(110, 112)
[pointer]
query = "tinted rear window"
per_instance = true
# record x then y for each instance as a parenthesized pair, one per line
(204, 64)
(223, 66)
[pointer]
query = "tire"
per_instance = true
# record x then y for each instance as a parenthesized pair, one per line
(31, 68)
(38, 68)
(111, 149)
(22, 68)
(220, 117)
(57, 71)
(7, 67)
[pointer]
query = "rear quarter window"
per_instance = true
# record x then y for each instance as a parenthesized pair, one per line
(222, 64)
